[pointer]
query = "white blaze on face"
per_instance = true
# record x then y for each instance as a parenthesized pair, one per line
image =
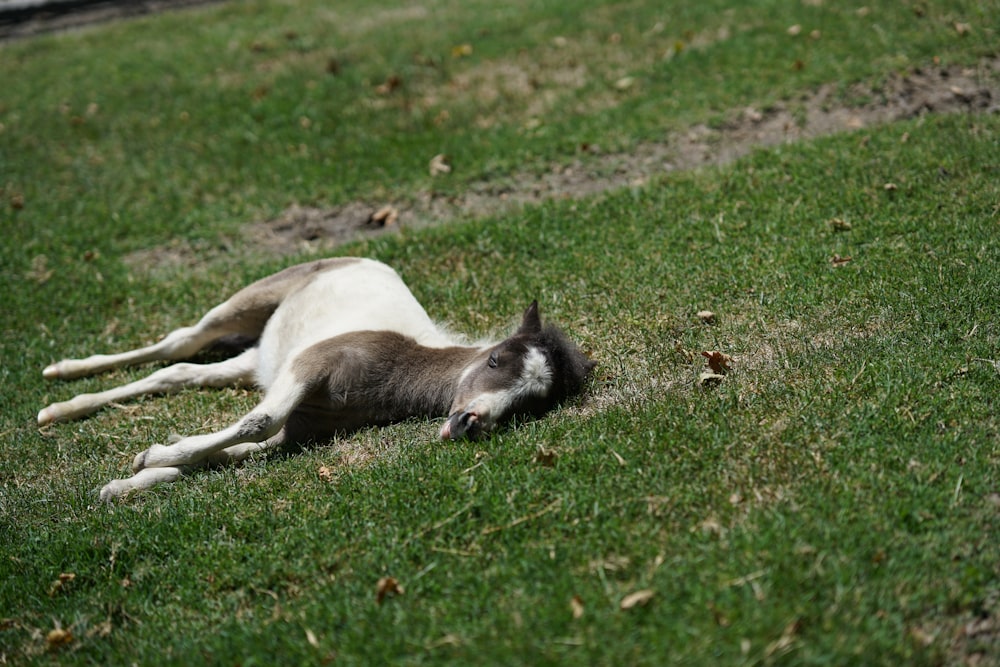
(535, 380)
(536, 376)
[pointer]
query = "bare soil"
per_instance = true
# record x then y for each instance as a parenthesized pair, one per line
(911, 95)
(26, 18)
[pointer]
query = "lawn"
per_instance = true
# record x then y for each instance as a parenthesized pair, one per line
(834, 499)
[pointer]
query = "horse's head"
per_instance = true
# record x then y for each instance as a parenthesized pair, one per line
(527, 374)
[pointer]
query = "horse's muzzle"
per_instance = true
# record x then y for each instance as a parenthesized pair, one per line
(462, 425)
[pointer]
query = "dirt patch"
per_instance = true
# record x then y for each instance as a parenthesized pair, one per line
(26, 18)
(919, 92)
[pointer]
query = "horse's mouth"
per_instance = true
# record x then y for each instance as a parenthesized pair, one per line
(462, 424)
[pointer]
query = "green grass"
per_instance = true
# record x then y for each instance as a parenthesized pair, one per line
(831, 502)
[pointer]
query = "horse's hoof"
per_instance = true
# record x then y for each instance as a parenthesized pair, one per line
(138, 463)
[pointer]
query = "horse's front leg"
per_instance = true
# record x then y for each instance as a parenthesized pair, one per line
(258, 430)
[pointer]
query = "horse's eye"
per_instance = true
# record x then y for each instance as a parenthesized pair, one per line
(492, 362)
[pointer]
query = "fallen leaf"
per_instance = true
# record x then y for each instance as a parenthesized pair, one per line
(389, 85)
(706, 316)
(624, 83)
(688, 356)
(546, 457)
(720, 618)
(61, 582)
(837, 260)
(720, 362)
(576, 605)
(962, 29)
(840, 225)
(613, 563)
(711, 526)
(326, 473)
(890, 187)
(387, 586)
(58, 637)
(794, 30)
(17, 201)
(637, 599)
(311, 638)
(385, 216)
(439, 165)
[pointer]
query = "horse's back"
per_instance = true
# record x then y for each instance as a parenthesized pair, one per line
(364, 295)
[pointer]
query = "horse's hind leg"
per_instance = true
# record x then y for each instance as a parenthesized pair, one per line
(236, 371)
(225, 319)
(244, 314)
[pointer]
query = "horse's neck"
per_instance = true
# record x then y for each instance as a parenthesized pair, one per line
(426, 379)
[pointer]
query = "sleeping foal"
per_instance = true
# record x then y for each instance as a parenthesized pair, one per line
(340, 344)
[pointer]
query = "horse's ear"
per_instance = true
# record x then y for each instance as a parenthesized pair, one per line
(531, 322)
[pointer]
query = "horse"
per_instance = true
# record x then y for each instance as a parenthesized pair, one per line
(336, 344)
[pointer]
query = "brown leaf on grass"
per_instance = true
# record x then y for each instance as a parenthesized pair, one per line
(439, 165)
(624, 83)
(390, 85)
(637, 599)
(840, 225)
(387, 586)
(720, 618)
(837, 260)
(384, 217)
(326, 473)
(720, 362)
(576, 606)
(706, 316)
(546, 457)
(58, 637)
(962, 29)
(61, 582)
(686, 355)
